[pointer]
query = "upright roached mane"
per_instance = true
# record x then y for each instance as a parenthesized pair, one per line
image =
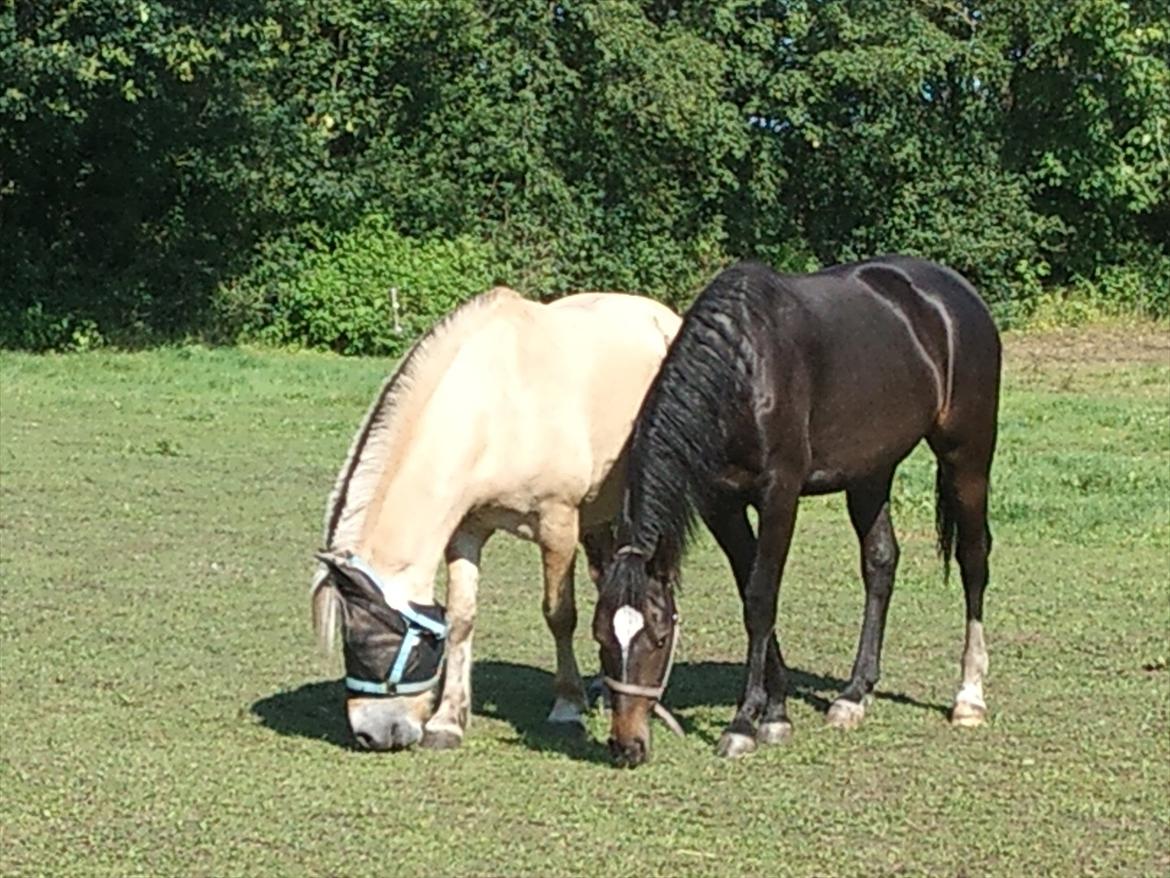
(371, 453)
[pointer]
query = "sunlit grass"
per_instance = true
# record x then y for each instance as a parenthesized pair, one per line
(163, 711)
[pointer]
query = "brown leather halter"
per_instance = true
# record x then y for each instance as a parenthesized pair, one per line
(652, 692)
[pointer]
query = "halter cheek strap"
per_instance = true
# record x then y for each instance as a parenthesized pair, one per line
(416, 624)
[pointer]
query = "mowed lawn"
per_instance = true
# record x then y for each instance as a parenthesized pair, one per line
(164, 711)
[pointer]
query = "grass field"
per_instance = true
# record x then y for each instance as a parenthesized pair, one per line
(163, 710)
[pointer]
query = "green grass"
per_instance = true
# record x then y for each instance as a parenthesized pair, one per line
(163, 710)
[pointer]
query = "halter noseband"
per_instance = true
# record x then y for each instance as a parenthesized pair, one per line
(652, 692)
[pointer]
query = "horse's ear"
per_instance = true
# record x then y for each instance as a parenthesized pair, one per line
(347, 576)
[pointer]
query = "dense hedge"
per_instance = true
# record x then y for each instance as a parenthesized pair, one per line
(271, 168)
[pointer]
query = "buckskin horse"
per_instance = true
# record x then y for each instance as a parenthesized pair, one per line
(508, 415)
(778, 386)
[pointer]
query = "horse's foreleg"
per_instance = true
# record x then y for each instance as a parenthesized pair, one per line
(869, 512)
(727, 520)
(445, 729)
(777, 519)
(557, 535)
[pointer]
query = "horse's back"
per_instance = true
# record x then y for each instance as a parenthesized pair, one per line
(975, 353)
(902, 303)
(640, 317)
(565, 381)
(894, 345)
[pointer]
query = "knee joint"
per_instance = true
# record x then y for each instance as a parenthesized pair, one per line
(882, 557)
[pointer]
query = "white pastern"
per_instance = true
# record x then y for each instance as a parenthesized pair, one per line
(845, 714)
(970, 709)
(972, 694)
(974, 655)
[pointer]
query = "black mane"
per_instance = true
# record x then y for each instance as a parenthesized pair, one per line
(679, 438)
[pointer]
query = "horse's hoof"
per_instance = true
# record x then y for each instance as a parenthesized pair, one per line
(441, 739)
(845, 714)
(566, 712)
(774, 733)
(733, 745)
(967, 715)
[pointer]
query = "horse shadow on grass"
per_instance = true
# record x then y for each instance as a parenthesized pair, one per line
(521, 695)
(314, 710)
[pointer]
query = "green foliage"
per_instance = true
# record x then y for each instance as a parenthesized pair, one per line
(112, 211)
(1140, 288)
(372, 291)
(156, 154)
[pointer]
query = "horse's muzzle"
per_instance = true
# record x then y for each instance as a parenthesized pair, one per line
(382, 724)
(630, 754)
(397, 736)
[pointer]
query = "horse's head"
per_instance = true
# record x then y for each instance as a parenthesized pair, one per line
(393, 653)
(636, 627)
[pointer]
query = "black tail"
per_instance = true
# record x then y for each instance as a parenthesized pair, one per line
(945, 525)
(679, 441)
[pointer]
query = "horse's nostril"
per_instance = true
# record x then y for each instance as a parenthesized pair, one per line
(628, 755)
(366, 742)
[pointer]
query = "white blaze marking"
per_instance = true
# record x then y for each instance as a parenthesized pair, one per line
(627, 622)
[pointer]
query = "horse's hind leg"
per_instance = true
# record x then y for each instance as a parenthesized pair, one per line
(557, 535)
(599, 547)
(727, 520)
(869, 512)
(963, 482)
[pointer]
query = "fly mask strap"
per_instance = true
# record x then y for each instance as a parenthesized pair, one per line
(416, 625)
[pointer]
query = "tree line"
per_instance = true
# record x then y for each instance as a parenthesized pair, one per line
(273, 169)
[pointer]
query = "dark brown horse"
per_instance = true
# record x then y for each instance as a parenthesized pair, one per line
(783, 385)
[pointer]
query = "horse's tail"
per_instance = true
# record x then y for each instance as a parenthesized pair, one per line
(945, 507)
(680, 437)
